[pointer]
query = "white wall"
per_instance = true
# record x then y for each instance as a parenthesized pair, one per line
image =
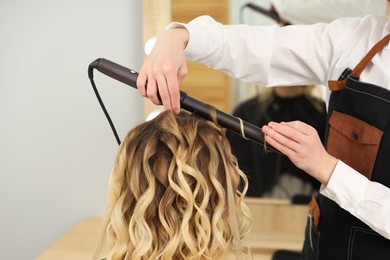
(56, 148)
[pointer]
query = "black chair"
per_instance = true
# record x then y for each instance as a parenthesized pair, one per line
(286, 255)
(301, 199)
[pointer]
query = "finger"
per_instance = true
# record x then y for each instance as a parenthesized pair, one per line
(173, 92)
(151, 91)
(163, 92)
(281, 138)
(141, 82)
(269, 138)
(300, 126)
(288, 131)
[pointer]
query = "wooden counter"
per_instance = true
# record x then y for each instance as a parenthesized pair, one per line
(276, 225)
(78, 244)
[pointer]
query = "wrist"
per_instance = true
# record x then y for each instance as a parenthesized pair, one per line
(180, 33)
(325, 172)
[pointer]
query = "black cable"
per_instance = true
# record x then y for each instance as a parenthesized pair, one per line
(241, 15)
(268, 13)
(90, 73)
(256, 9)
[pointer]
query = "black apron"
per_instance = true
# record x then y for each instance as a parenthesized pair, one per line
(358, 133)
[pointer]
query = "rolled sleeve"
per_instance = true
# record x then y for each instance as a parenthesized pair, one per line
(367, 200)
(346, 187)
(205, 36)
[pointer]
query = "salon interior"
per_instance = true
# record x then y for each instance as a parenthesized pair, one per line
(57, 149)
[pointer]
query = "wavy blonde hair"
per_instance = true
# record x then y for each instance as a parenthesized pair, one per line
(174, 193)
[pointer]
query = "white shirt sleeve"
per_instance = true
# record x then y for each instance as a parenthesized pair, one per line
(245, 52)
(367, 200)
(314, 11)
(286, 56)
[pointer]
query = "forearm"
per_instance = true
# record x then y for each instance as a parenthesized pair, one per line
(369, 201)
(242, 51)
(286, 56)
(266, 55)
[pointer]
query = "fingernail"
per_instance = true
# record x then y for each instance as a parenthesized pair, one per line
(266, 129)
(272, 124)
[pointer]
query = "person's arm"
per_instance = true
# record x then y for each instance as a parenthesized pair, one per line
(267, 55)
(244, 52)
(259, 54)
(369, 201)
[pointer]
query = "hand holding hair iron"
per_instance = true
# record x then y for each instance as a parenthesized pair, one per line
(129, 77)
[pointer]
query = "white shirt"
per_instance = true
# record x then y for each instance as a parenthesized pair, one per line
(305, 55)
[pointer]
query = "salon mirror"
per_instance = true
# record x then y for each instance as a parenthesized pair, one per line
(220, 90)
(279, 223)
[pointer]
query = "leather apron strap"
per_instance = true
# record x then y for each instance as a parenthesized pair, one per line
(335, 85)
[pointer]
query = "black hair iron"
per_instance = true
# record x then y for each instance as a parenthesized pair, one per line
(129, 77)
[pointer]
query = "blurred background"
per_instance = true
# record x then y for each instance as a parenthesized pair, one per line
(56, 147)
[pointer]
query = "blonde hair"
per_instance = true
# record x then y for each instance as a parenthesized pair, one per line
(174, 193)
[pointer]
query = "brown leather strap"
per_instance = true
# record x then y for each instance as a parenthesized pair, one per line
(314, 210)
(335, 85)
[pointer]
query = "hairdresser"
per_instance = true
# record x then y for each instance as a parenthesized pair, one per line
(351, 217)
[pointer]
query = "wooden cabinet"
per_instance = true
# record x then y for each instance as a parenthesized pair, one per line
(208, 85)
(276, 224)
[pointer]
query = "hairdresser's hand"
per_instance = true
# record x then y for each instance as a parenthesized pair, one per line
(301, 143)
(164, 69)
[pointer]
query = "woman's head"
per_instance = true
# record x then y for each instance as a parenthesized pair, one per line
(173, 192)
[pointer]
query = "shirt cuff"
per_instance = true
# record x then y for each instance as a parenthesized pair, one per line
(346, 187)
(200, 29)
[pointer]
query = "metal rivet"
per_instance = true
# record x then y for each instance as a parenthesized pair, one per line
(355, 135)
